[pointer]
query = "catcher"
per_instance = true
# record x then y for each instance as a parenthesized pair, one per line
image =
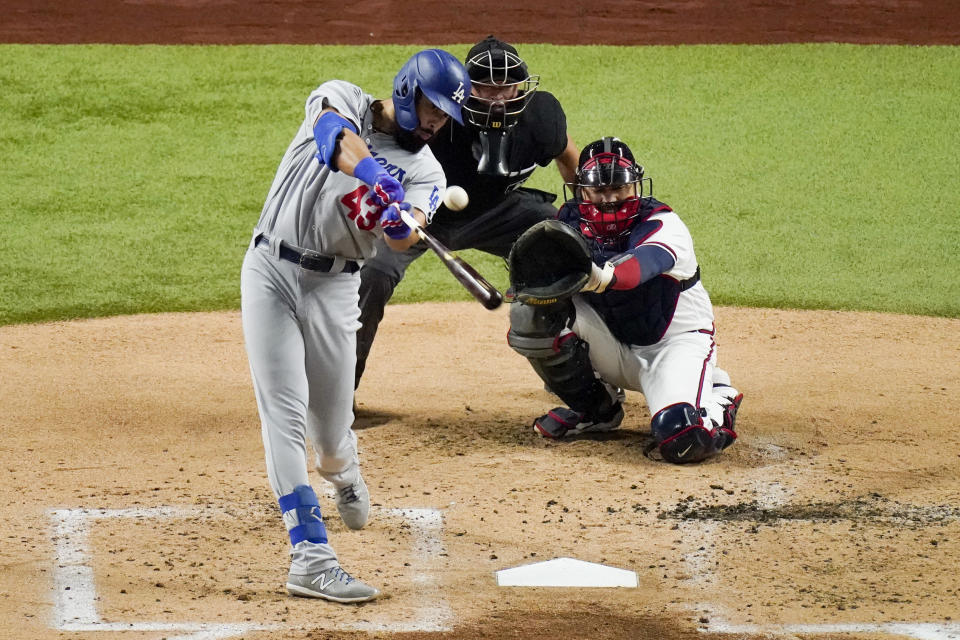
(608, 297)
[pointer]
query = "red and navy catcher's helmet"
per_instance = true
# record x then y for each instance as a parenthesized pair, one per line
(608, 164)
(439, 77)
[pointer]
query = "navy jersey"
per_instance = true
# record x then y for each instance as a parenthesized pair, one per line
(538, 137)
(664, 303)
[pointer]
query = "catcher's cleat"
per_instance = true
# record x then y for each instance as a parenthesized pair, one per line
(563, 422)
(332, 584)
(353, 503)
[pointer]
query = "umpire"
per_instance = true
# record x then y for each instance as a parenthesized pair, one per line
(510, 127)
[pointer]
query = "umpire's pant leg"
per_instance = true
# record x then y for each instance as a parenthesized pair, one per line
(379, 277)
(376, 288)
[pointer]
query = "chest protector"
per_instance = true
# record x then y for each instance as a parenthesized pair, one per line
(641, 316)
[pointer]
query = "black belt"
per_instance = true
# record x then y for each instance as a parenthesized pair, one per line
(308, 261)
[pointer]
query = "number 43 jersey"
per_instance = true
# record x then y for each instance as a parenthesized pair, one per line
(310, 206)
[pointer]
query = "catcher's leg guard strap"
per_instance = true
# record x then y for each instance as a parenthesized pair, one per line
(561, 361)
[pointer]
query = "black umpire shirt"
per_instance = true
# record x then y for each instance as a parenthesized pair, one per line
(538, 137)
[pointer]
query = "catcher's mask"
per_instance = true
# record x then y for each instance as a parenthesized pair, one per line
(609, 189)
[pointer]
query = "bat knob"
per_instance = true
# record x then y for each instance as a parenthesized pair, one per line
(493, 301)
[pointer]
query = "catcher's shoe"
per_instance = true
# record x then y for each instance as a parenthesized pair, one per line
(333, 584)
(353, 503)
(564, 422)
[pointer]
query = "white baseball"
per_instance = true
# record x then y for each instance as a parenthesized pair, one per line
(455, 198)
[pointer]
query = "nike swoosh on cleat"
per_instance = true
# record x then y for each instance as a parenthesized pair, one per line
(685, 451)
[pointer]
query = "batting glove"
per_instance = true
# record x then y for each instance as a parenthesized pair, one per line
(391, 222)
(386, 189)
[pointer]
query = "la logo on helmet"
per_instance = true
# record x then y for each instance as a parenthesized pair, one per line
(459, 94)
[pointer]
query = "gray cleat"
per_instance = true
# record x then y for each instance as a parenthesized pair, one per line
(333, 584)
(353, 503)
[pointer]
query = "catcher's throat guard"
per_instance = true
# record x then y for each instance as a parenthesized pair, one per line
(548, 263)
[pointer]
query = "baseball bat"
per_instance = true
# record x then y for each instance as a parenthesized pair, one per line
(479, 288)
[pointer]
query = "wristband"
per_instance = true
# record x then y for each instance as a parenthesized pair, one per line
(368, 170)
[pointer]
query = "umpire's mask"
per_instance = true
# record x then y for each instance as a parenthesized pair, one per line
(502, 87)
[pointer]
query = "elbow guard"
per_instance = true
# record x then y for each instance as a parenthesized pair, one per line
(327, 131)
(627, 272)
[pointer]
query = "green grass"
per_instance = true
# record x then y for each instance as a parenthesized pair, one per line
(811, 176)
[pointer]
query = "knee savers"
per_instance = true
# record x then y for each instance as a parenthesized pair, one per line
(681, 435)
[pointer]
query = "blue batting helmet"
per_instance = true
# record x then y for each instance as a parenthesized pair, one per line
(440, 77)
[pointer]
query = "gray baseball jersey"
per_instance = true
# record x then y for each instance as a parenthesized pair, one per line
(334, 214)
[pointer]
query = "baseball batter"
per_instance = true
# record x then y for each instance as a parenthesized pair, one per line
(354, 163)
(642, 321)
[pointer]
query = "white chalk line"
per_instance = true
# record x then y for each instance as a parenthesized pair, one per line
(75, 594)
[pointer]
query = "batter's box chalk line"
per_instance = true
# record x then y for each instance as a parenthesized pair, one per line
(75, 594)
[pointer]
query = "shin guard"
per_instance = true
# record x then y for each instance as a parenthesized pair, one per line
(562, 360)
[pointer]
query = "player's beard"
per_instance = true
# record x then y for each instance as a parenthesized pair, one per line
(409, 140)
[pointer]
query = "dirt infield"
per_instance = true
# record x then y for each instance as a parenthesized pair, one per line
(135, 503)
(837, 506)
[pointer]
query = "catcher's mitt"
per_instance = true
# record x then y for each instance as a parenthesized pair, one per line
(548, 263)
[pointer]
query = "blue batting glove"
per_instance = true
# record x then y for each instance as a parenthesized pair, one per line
(391, 222)
(386, 189)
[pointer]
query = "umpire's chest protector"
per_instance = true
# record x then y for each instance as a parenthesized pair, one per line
(639, 316)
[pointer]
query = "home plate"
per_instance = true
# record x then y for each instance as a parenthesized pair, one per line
(566, 572)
